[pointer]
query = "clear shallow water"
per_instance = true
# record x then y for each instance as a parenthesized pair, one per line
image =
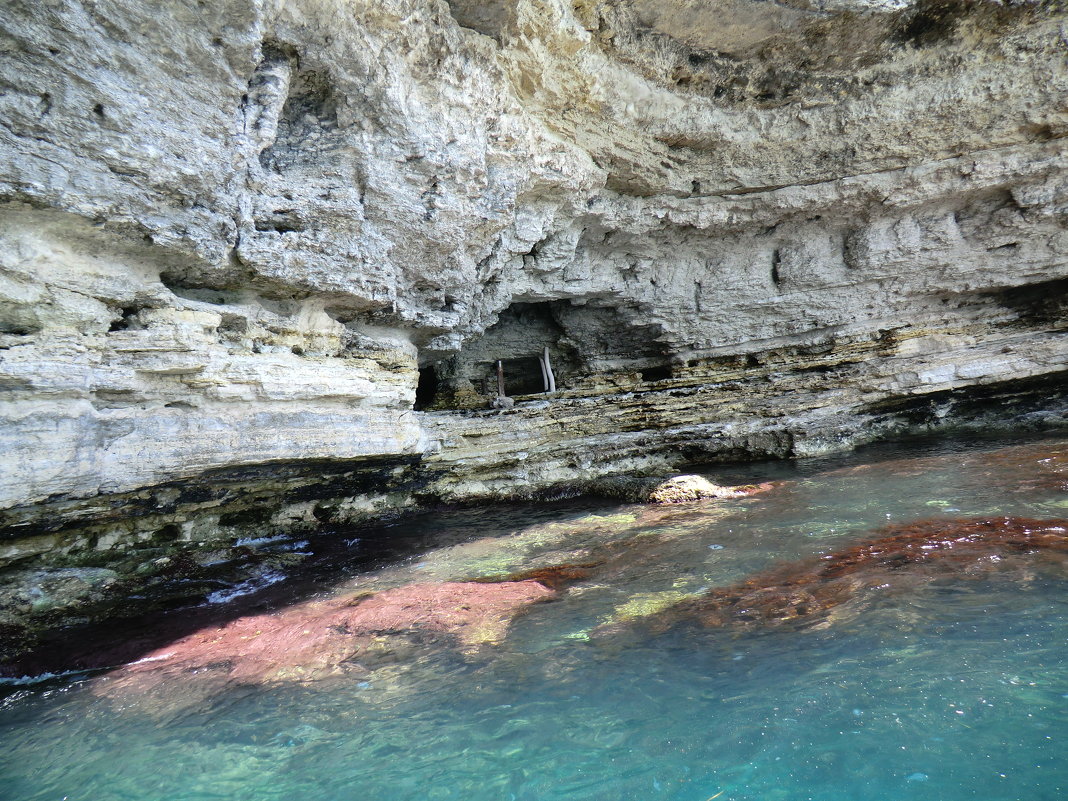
(952, 689)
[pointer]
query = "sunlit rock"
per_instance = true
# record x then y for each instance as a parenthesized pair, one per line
(690, 488)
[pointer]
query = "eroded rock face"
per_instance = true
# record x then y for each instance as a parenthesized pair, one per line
(264, 233)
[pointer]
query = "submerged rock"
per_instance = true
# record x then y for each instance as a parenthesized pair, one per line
(648, 603)
(808, 590)
(555, 577)
(316, 639)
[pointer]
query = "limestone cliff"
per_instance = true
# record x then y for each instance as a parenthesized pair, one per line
(260, 257)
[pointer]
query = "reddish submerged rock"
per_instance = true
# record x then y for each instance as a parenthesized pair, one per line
(320, 638)
(555, 577)
(807, 590)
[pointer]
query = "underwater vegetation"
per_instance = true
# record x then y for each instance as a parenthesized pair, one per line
(809, 590)
(555, 577)
(320, 638)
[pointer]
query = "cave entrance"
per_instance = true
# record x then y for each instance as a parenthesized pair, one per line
(585, 341)
(522, 376)
(427, 388)
(659, 372)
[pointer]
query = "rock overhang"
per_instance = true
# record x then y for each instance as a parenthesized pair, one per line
(234, 235)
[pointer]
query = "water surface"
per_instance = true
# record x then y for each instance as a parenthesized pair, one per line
(954, 687)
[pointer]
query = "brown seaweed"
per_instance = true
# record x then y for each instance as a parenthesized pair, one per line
(807, 590)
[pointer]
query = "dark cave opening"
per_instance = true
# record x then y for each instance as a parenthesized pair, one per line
(427, 388)
(586, 345)
(522, 376)
(660, 372)
(126, 320)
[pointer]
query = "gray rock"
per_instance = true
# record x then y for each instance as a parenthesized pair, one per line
(253, 232)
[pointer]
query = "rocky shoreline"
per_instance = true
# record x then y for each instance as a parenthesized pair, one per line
(323, 605)
(261, 264)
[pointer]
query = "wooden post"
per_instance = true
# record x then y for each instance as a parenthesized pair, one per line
(500, 379)
(550, 384)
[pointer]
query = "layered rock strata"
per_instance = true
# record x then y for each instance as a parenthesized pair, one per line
(260, 258)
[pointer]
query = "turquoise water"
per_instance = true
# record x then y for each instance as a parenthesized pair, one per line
(952, 688)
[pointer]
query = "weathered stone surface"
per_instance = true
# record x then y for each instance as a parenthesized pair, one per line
(681, 489)
(263, 232)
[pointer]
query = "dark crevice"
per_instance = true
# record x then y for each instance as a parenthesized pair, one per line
(1007, 401)
(427, 388)
(126, 320)
(244, 517)
(281, 225)
(522, 376)
(19, 328)
(657, 373)
(1041, 132)
(776, 261)
(308, 113)
(488, 17)
(233, 324)
(1040, 304)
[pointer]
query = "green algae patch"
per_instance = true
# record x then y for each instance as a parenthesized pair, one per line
(533, 548)
(619, 519)
(648, 603)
